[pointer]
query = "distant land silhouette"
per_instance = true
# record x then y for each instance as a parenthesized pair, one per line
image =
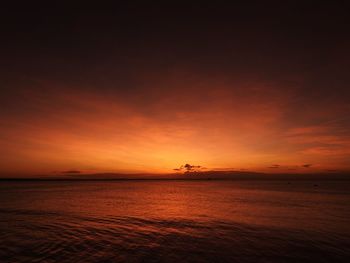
(198, 175)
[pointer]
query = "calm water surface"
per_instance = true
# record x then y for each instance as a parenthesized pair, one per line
(174, 221)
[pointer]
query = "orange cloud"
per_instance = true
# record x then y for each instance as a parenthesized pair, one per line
(218, 123)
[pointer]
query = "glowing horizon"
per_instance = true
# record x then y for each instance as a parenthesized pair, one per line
(242, 128)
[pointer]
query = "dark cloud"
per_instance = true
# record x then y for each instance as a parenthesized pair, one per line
(275, 166)
(307, 165)
(189, 168)
(71, 172)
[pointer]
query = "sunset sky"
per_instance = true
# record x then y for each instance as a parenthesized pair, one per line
(147, 88)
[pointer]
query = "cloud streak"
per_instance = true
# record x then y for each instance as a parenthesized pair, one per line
(71, 172)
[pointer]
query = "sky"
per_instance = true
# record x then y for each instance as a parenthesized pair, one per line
(132, 88)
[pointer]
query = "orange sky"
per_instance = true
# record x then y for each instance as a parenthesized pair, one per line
(216, 123)
(150, 88)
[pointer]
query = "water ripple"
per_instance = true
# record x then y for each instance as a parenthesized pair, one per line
(34, 236)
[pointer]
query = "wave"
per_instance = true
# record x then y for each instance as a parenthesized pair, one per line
(39, 236)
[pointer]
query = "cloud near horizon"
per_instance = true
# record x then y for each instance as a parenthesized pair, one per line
(189, 168)
(275, 166)
(71, 172)
(306, 165)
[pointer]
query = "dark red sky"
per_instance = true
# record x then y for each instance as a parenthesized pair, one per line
(145, 87)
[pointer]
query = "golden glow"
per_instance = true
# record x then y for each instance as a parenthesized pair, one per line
(211, 124)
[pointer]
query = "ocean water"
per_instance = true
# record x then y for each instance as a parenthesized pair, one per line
(174, 221)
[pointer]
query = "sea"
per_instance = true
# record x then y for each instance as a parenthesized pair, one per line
(174, 221)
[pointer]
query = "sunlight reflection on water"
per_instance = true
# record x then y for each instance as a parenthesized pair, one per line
(174, 221)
